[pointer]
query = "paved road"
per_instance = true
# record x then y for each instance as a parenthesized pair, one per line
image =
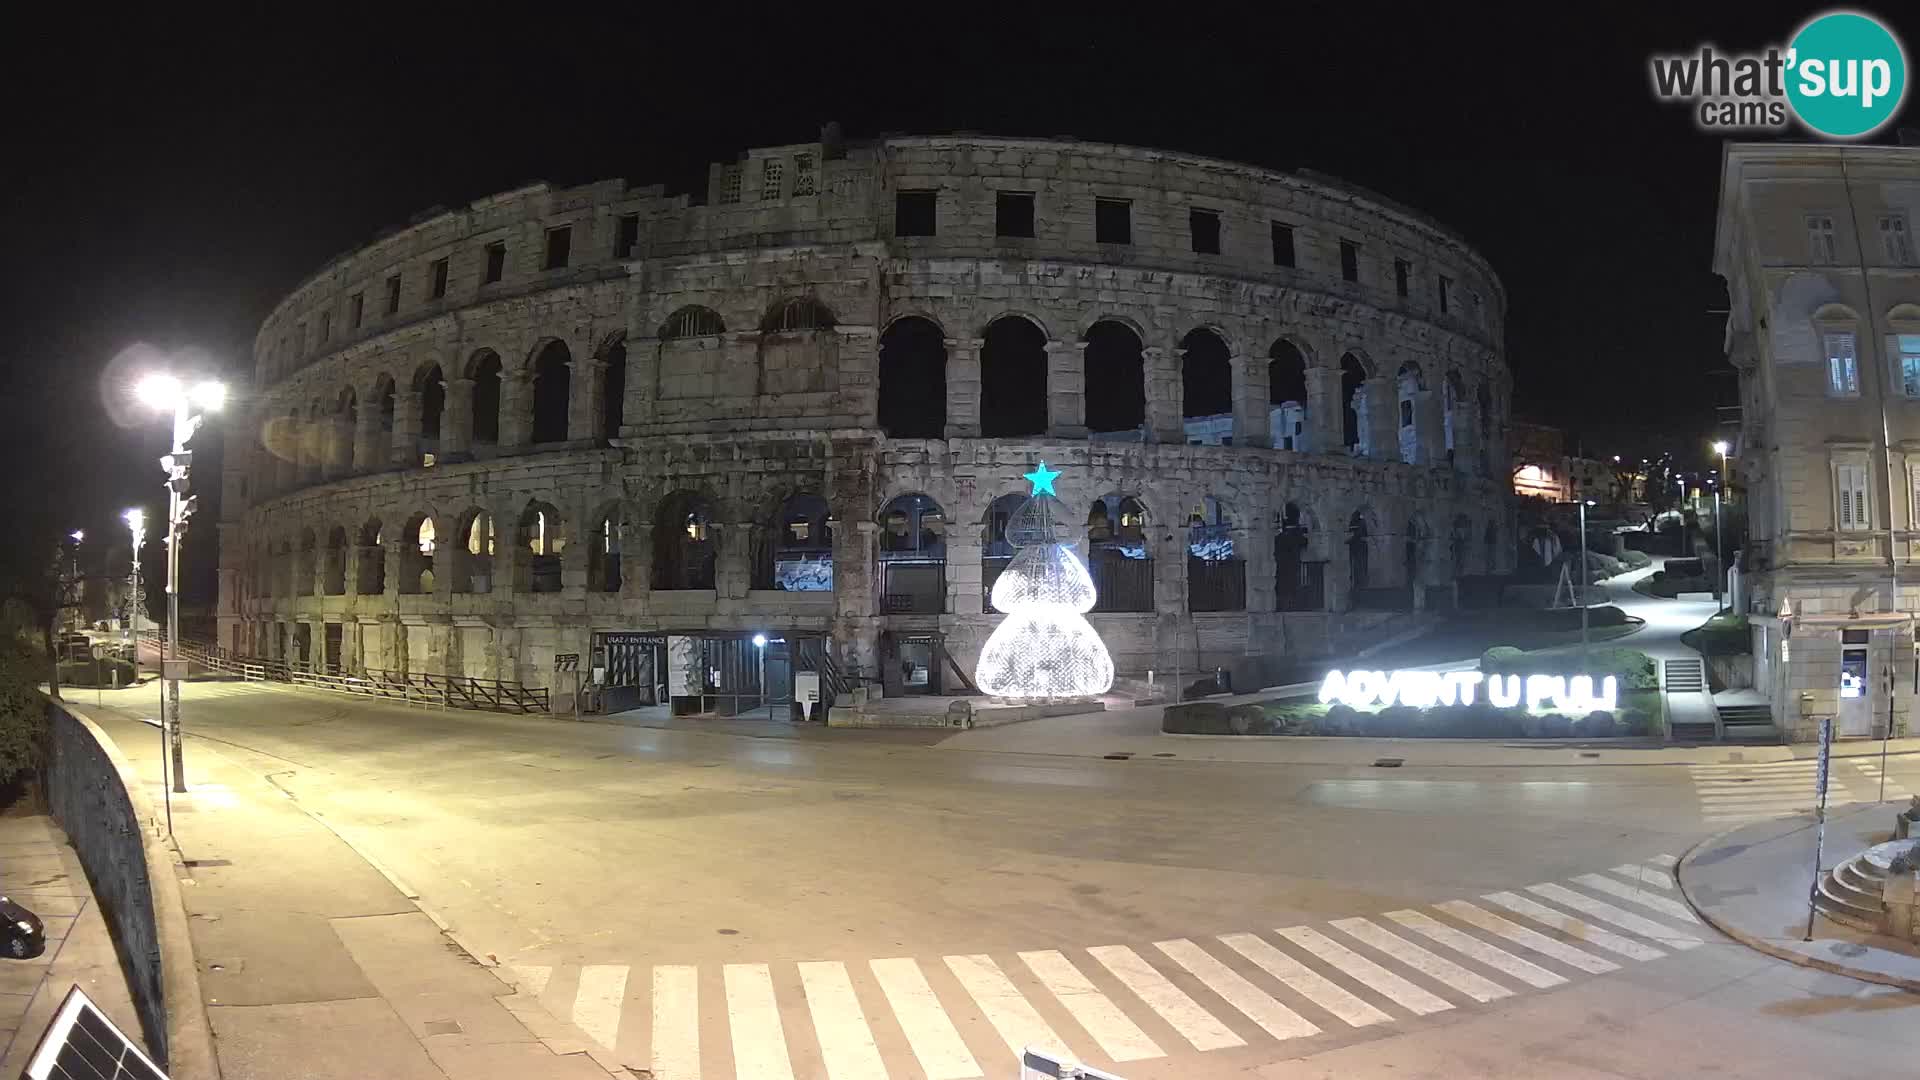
(860, 905)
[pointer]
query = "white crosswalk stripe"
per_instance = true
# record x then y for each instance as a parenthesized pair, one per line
(759, 1043)
(1665, 860)
(1254, 1003)
(1665, 905)
(1109, 998)
(1736, 793)
(1119, 1037)
(942, 1054)
(1017, 1021)
(1574, 928)
(1472, 947)
(1616, 916)
(1365, 971)
(1305, 981)
(1530, 939)
(846, 1042)
(1182, 1013)
(1433, 967)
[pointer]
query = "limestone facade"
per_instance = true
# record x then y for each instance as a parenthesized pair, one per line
(1815, 244)
(487, 437)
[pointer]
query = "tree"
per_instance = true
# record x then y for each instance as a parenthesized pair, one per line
(1044, 648)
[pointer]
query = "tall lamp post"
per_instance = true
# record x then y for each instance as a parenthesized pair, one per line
(136, 519)
(1719, 539)
(78, 615)
(162, 392)
(1585, 576)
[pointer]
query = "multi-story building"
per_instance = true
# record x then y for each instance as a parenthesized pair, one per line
(1815, 243)
(605, 420)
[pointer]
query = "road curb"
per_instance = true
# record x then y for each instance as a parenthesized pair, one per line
(1762, 945)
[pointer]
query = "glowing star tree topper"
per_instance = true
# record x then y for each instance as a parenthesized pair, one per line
(1044, 648)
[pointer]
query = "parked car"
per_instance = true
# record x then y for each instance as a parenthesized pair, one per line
(24, 935)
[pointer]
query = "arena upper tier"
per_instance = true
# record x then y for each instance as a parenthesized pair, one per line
(643, 428)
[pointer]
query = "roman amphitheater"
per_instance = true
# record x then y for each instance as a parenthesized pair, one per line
(706, 443)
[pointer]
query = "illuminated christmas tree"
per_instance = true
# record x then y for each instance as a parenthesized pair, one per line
(1044, 648)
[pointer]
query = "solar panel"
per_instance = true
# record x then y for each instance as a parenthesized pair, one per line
(82, 1044)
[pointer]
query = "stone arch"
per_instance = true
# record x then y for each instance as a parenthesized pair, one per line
(485, 369)
(606, 543)
(304, 562)
(1115, 370)
(473, 543)
(692, 321)
(1206, 375)
(1297, 575)
(552, 372)
(1287, 364)
(1119, 553)
(386, 401)
(333, 569)
(1216, 570)
(795, 314)
(613, 385)
(912, 555)
(1013, 377)
(1354, 373)
(338, 452)
(418, 542)
(684, 545)
(541, 536)
(796, 552)
(431, 386)
(913, 379)
(370, 578)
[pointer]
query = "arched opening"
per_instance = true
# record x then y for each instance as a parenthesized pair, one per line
(346, 417)
(1116, 378)
(1206, 389)
(1118, 556)
(913, 556)
(796, 314)
(473, 553)
(1460, 545)
(1408, 386)
(1013, 379)
(613, 390)
(303, 567)
(416, 556)
(913, 380)
(542, 538)
(552, 389)
(996, 551)
(371, 571)
(383, 395)
(1216, 573)
(690, 322)
(431, 385)
(1353, 398)
(1299, 581)
(484, 370)
(333, 573)
(1287, 395)
(683, 543)
(1359, 551)
(797, 552)
(604, 547)
(1453, 399)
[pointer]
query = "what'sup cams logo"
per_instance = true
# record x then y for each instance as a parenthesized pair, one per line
(1844, 75)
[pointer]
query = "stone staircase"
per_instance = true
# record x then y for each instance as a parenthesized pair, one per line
(1689, 718)
(1852, 893)
(1748, 723)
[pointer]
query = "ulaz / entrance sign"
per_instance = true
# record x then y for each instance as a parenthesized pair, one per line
(1425, 689)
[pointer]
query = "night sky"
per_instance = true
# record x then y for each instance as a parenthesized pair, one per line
(165, 183)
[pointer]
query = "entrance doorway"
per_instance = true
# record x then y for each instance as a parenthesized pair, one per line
(334, 646)
(1855, 717)
(636, 667)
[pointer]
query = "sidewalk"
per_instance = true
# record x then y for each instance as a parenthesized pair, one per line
(1752, 884)
(310, 956)
(41, 871)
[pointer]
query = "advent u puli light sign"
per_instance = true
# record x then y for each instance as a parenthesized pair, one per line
(1425, 689)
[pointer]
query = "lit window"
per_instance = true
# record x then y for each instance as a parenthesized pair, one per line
(426, 537)
(1843, 366)
(1910, 365)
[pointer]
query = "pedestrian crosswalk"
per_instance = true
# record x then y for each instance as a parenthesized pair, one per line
(1734, 794)
(969, 1015)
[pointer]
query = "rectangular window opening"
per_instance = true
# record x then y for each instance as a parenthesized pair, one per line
(496, 262)
(1113, 221)
(1349, 260)
(1843, 366)
(629, 237)
(1445, 292)
(393, 295)
(1820, 241)
(1402, 273)
(1013, 214)
(1895, 240)
(559, 247)
(439, 278)
(914, 213)
(770, 175)
(1204, 226)
(1282, 244)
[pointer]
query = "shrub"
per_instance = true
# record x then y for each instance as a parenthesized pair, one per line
(1248, 720)
(96, 672)
(1341, 720)
(1594, 725)
(1634, 559)
(1196, 718)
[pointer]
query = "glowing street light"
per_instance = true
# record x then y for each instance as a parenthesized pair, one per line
(1719, 542)
(161, 392)
(136, 520)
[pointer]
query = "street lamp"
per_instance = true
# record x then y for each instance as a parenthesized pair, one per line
(79, 592)
(136, 520)
(760, 646)
(1719, 542)
(1585, 576)
(161, 392)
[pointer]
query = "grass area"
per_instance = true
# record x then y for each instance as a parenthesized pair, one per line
(1722, 635)
(1468, 634)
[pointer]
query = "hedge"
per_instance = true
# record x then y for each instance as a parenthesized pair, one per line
(1634, 668)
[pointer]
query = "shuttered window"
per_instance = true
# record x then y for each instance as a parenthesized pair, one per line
(1850, 493)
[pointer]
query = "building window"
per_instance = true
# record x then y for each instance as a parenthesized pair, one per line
(1854, 511)
(1913, 496)
(496, 262)
(1204, 226)
(1282, 244)
(300, 339)
(1349, 260)
(1402, 272)
(439, 278)
(326, 327)
(629, 237)
(356, 309)
(1013, 213)
(1895, 240)
(803, 175)
(1820, 247)
(770, 175)
(393, 295)
(1446, 292)
(559, 247)
(730, 184)
(1843, 366)
(914, 213)
(1909, 345)
(1113, 221)
(1406, 414)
